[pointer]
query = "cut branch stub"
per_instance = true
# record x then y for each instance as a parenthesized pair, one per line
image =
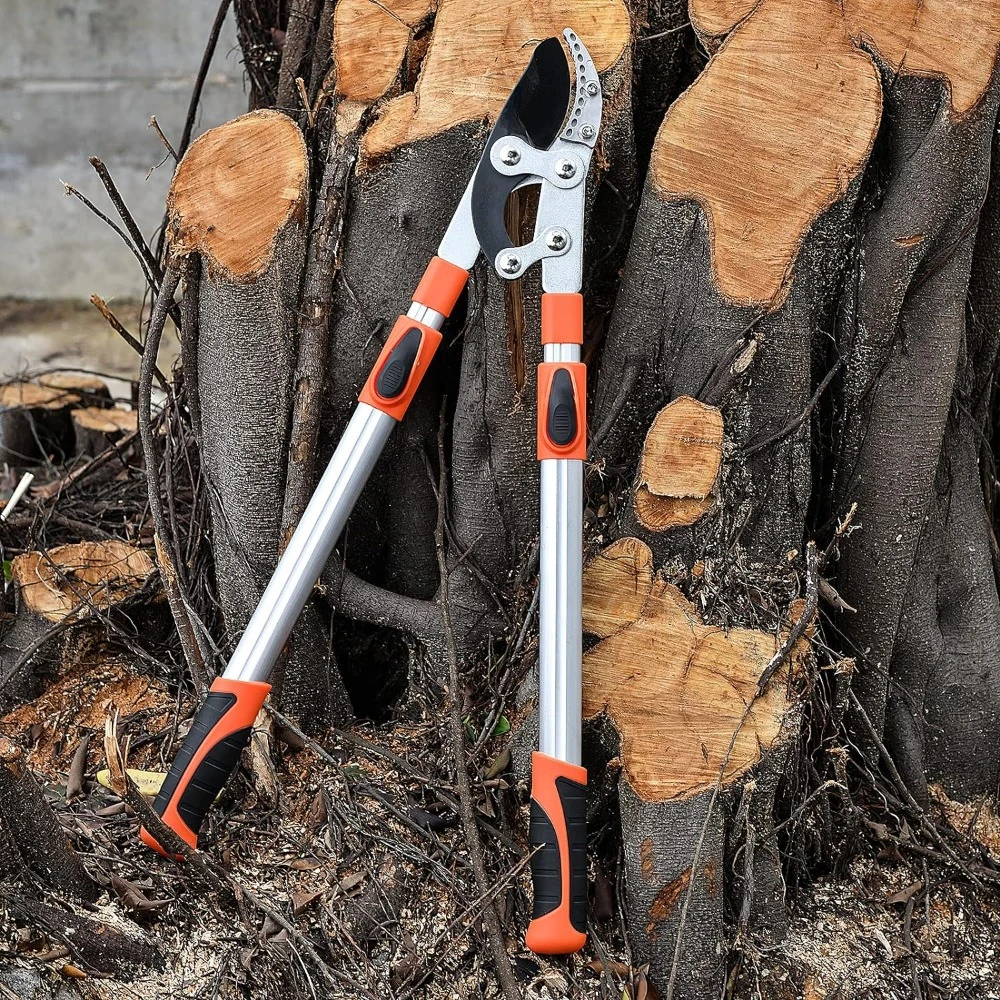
(679, 465)
(797, 121)
(675, 689)
(235, 190)
(73, 579)
(474, 61)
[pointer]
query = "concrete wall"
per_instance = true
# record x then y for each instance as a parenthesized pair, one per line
(81, 78)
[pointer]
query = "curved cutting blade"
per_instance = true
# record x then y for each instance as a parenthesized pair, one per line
(534, 112)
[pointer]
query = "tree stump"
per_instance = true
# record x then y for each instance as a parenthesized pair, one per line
(67, 589)
(96, 428)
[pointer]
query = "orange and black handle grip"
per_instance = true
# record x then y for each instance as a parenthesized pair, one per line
(558, 836)
(411, 345)
(562, 410)
(211, 750)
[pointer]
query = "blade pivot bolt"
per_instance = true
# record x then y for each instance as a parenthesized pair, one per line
(557, 240)
(510, 156)
(565, 169)
(510, 263)
(587, 131)
(593, 89)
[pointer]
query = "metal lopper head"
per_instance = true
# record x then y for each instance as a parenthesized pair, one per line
(545, 134)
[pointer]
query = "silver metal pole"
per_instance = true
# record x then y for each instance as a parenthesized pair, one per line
(560, 614)
(314, 539)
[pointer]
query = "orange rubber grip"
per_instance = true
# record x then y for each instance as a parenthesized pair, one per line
(441, 285)
(558, 836)
(208, 756)
(562, 318)
(562, 410)
(401, 367)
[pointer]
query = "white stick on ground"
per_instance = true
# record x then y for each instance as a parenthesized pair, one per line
(19, 491)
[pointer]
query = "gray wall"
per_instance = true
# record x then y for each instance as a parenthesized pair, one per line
(81, 78)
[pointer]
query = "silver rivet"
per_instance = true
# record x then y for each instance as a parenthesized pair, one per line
(566, 168)
(587, 131)
(556, 240)
(510, 156)
(592, 88)
(510, 263)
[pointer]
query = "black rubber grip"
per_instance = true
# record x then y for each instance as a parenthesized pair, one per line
(546, 870)
(561, 422)
(395, 372)
(213, 772)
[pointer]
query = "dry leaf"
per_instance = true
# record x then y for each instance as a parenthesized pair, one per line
(349, 882)
(301, 901)
(904, 895)
(74, 782)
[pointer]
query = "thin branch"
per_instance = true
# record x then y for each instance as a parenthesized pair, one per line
(904, 790)
(155, 126)
(322, 51)
(199, 80)
(804, 620)
(149, 276)
(314, 330)
(127, 218)
(192, 112)
(185, 627)
(102, 307)
(491, 920)
(298, 34)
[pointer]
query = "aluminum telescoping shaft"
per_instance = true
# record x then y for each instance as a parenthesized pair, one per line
(560, 597)
(316, 535)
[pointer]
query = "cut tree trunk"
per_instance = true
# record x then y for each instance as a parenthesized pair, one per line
(694, 743)
(36, 418)
(239, 202)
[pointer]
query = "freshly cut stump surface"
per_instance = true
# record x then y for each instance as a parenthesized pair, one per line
(69, 578)
(234, 191)
(679, 466)
(675, 689)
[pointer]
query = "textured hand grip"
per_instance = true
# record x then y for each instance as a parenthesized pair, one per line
(210, 752)
(558, 837)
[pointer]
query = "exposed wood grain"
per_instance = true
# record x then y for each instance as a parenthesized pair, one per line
(106, 421)
(101, 574)
(89, 387)
(712, 18)
(473, 61)
(674, 688)
(31, 395)
(770, 134)
(236, 188)
(371, 42)
(679, 465)
(958, 40)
